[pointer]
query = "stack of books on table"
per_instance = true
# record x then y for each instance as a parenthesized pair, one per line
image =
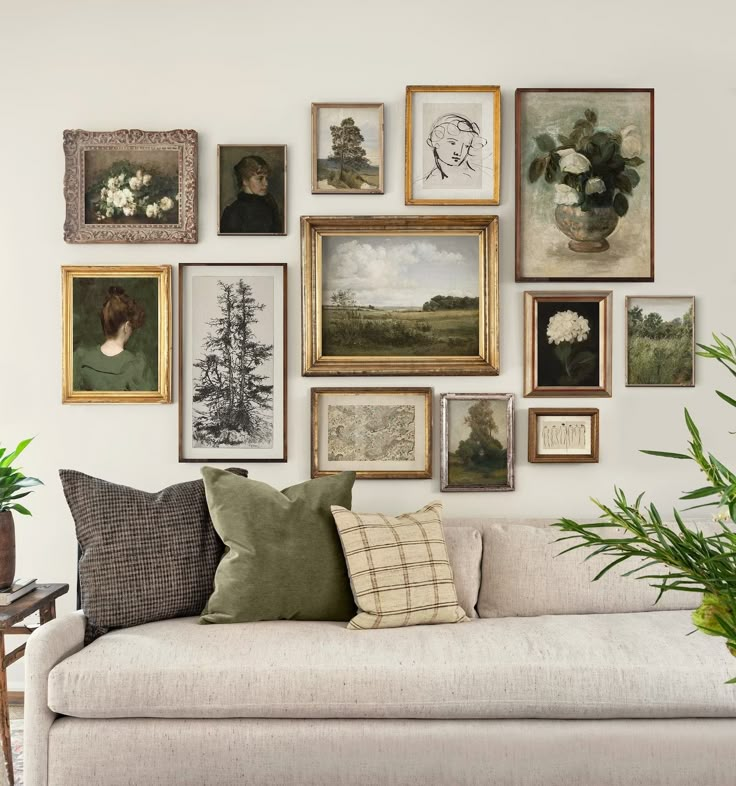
(18, 589)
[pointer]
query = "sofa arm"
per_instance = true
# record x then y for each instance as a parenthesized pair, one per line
(48, 645)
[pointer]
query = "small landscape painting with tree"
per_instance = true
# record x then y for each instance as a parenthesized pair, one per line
(400, 296)
(477, 450)
(347, 148)
(660, 341)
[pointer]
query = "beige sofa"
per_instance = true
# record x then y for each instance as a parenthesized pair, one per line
(556, 682)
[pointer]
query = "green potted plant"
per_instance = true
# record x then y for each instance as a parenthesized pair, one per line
(678, 558)
(14, 485)
(593, 171)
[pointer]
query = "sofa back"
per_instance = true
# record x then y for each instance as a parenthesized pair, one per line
(522, 574)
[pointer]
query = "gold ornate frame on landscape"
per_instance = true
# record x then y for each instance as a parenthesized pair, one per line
(160, 396)
(484, 228)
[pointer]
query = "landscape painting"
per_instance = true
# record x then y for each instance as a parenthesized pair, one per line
(660, 341)
(585, 186)
(477, 442)
(347, 148)
(232, 363)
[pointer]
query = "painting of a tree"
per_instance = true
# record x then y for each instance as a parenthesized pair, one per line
(233, 396)
(347, 150)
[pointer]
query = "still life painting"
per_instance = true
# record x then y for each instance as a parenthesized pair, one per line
(232, 404)
(453, 138)
(567, 338)
(116, 334)
(477, 450)
(400, 295)
(564, 435)
(347, 148)
(585, 186)
(376, 432)
(660, 341)
(130, 186)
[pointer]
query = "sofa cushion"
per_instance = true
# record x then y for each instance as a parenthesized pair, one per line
(399, 569)
(464, 548)
(586, 666)
(524, 574)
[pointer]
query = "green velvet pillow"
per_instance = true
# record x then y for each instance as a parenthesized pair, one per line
(283, 559)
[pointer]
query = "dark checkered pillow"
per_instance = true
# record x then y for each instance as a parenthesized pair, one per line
(144, 557)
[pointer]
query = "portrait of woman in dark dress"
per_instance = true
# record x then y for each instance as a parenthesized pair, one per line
(254, 211)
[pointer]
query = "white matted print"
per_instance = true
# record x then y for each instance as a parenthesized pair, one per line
(232, 362)
(452, 145)
(563, 435)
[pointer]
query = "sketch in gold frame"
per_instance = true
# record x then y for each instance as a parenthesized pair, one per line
(546, 454)
(482, 230)
(544, 359)
(317, 108)
(108, 274)
(386, 469)
(469, 125)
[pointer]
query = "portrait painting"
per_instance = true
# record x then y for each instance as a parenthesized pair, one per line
(347, 148)
(252, 189)
(453, 145)
(116, 326)
(660, 341)
(567, 344)
(130, 186)
(376, 432)
(584, 185)
(232, 362)
(477, 450)
(418, 301)
(564, 435)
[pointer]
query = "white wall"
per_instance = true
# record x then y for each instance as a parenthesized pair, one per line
(241, 72)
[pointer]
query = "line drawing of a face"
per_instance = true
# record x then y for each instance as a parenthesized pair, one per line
(453, 138)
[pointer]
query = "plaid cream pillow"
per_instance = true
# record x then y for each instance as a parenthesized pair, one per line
(399, 570)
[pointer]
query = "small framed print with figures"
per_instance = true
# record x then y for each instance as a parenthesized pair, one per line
(130, 186)
(116, 334)
(453, 145)
(564, 435)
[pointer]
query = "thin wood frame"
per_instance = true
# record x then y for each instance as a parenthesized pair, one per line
(534, 455)
(485, 228)
(495, 91)
(160, 396)
(221, 207)
(422, 474)
(690, 384)
(531, 385)
(210, 460)
(77, 142)
(315, 129)
(520, 92)
(445, 398)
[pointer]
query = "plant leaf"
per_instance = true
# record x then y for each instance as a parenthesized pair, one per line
(666, 454)
(545, 143)
(620, 204)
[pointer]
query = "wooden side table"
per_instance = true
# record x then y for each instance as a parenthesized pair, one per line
(43, 600)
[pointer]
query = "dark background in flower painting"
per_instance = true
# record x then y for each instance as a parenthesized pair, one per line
(549, 368)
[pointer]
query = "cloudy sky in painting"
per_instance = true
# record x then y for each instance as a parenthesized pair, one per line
(399, 271)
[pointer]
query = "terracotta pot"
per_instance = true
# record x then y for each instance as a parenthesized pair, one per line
(7, 549)
(587, 229)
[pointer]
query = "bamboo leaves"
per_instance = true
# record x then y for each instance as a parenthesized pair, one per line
(14, 484)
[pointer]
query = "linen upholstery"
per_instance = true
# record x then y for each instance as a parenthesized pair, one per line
(464, 548)
(399, 569)
(523, 574)
(233, 752)
(635, 665)
(126, 536)
(283, 558)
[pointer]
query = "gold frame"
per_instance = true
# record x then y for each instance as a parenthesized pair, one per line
(351, 105)
(628, 384)
(422, 474)
(495, 91)
(485, 228)
(531, 385)
(160, 272)
(591, 458)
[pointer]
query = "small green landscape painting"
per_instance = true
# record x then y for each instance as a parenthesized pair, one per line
(401, 296)
(660, 341)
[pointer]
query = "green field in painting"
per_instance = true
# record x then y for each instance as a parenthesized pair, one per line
(461, 474)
